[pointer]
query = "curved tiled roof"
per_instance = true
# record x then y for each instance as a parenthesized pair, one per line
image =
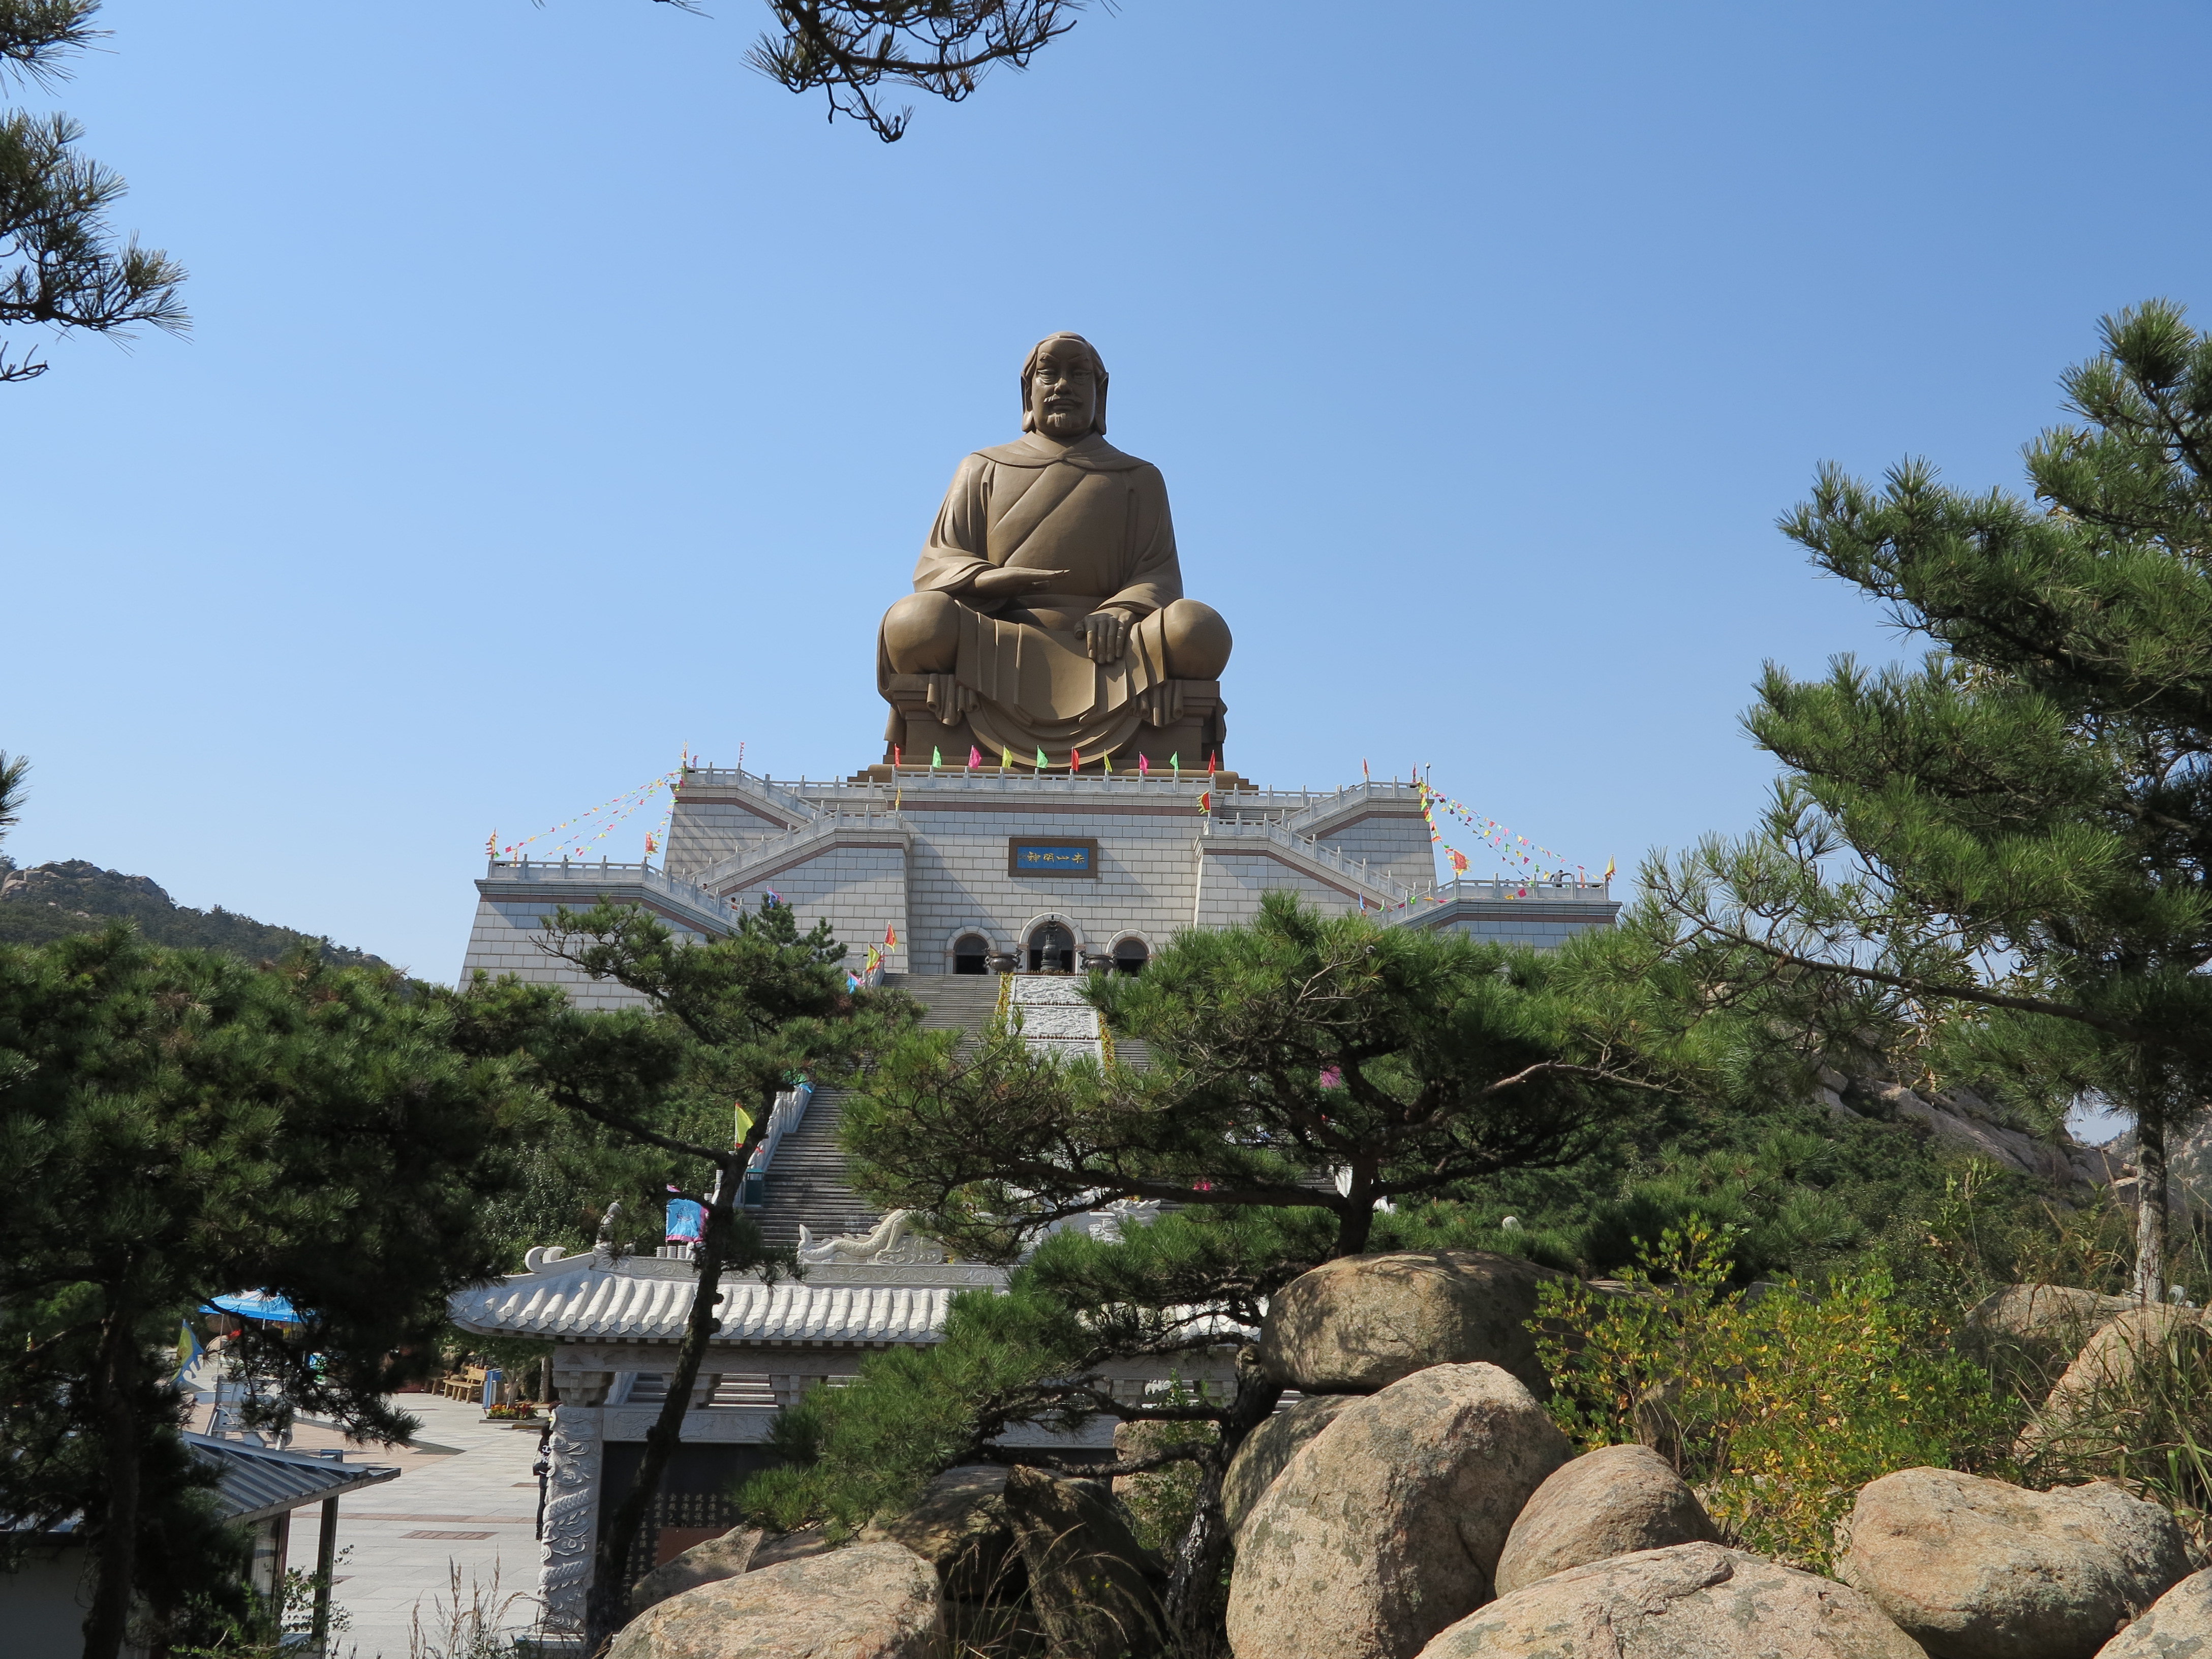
(648, 1300)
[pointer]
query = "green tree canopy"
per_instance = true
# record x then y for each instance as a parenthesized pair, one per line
(180, 1125)
(691, 1073)
(1999, 857)
(1306, 1071)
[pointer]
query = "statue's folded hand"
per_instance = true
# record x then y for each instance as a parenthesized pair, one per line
(1011, 579)
(1106, 634)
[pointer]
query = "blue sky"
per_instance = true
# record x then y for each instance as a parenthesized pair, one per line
(564, 393)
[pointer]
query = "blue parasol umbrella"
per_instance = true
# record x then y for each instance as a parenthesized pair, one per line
(255, 1304)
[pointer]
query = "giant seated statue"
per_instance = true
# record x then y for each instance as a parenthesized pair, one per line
(1048, 613)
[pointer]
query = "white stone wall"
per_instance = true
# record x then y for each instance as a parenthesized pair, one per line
(503, 941)
(1396, 845)
(1236, 881)
(704, 832)
(1531, 928)
(936, 867)
(959, 880)
(861, 889)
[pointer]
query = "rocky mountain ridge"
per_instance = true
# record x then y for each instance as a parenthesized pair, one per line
(75, 896)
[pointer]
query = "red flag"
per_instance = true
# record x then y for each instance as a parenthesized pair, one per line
(895, 756)
(1074, 761)
(1213, 761)
(1204, 802)
(891, 936)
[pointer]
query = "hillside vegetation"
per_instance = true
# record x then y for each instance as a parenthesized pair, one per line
(72, 896)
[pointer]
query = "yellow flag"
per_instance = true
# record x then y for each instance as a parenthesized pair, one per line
(744, 1120)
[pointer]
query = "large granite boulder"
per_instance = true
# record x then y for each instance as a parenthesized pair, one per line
(1269, 1448)
(1617, 1500)
(1359, 1323)
(1975, 1569)
(778, 1547)
(867, 1601)
(1095, 1590)
(2111, 1376)
(959, 1526)
(1693, 1601)
(2177, 1626)
(2042, 1315)
(1386, 1526)
(703, 1563)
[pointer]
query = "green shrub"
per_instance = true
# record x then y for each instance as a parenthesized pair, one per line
(1777, 1403)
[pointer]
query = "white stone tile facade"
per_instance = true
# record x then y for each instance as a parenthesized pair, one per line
(927, 857)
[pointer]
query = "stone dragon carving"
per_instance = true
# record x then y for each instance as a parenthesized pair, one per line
(572, 1517)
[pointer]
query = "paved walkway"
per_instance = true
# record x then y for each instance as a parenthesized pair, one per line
(460, 1520)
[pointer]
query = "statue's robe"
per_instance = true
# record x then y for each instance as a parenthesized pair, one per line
(1093, 512)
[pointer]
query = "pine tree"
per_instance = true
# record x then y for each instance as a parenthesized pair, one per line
(1306, 1071)
(180, 1125)
(2000, 855)
(60, 264)
(848, 48)
(693, 1075)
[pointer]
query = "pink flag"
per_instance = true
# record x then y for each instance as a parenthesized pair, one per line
(974, 757)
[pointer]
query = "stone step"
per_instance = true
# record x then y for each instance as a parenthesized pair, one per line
(805, 1185)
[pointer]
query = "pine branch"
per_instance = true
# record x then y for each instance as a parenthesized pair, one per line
(35, 34)
(943, 47)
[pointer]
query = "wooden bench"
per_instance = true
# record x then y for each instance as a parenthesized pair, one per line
(465, 1384)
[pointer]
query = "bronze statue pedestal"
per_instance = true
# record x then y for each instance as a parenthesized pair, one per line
(1196, 736)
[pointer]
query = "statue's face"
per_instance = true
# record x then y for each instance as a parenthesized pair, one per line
(1064, 392)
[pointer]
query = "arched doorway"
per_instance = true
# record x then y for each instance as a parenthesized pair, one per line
(970, 954)
(1052, 948)
(1130, 956)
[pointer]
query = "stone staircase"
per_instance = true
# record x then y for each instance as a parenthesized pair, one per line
(952, 1002)
(805, 1185)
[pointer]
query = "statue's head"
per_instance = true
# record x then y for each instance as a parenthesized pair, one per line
(1063, 388)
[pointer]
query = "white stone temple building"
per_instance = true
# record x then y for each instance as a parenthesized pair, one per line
(997, 889)
(973, 871)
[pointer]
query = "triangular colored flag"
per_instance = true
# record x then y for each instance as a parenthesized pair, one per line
(1074, 761)
(1365, 776)
(1042, 762)
(936, 758)
(1005, 757)
(891, 936)
(1213, 761)
(895, 752)
(1176, 761)
(741, 1118)
(1144, 766)
(188, 1346)
(1108, 763)
(974, 757)
(873, 958)
(1205, 803)
(1608, 870)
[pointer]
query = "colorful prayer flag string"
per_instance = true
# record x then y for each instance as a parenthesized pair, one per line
(606, 816)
